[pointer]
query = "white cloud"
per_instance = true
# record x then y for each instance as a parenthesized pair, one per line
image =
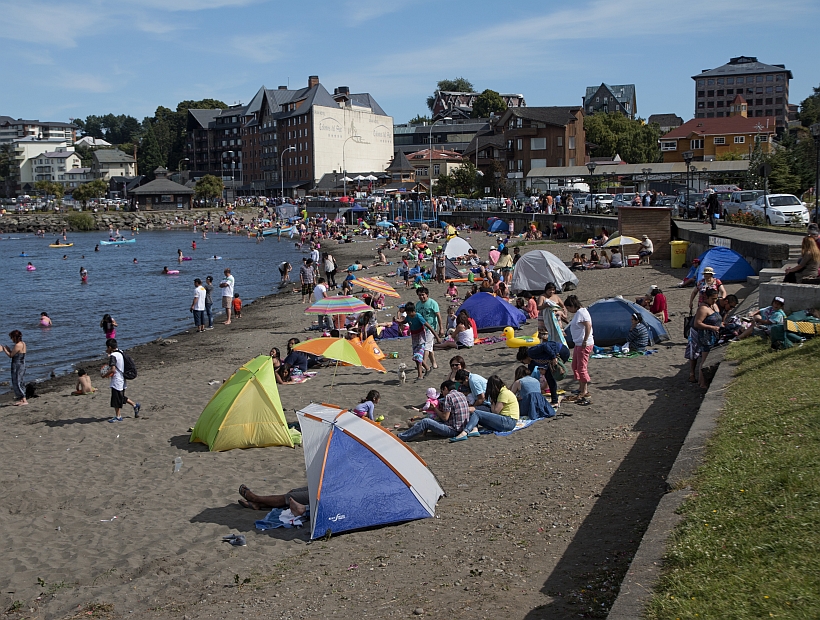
(360, 11)
(261, 48)
(49, 24)
(85, 82)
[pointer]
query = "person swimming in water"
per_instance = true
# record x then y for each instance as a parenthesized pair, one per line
(83, 275)
(45, 320)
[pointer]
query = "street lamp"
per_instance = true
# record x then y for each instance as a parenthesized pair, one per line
(430, 149)
(688, 156)
(344, 165)
(646, 173)
(591, 165)
(281, 172)
(815, 132)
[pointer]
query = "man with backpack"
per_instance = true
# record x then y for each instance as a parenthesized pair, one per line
(120, 368)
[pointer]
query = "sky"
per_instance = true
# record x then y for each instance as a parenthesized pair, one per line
(64, 60)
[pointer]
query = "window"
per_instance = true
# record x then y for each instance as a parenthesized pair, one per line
(779, 77)
(561, 162)
(778, 89)
(700, 105)
(768, 101)
(710, 93)
(519, 123)
(750, 91)
(720, 93)
(758, 101)
(571, 161)
(710, 115)
(769, 89)
(669, 145)
(701, 93)
(559, 141)
(591, 109)
(769, 112)
(519, 144)
(740, 80)
(597, 100)
(606, 99)
(696, 144)
(730, 80)
(511, 165)
(571, 142)
(740, 139)
(759, 90)
(710, 104)
(710, 82)
(758, 112)
(759, 79)
(538, 163)
(720, 140)
(730, 91)
(720, 81)
(720, 104)
(778, 100)
(436, 169)
(538, 144)
(720, 114)
(770, 78)
(761, 138)
(700, 82)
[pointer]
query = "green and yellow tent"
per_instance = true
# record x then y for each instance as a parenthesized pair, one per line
(245, 412)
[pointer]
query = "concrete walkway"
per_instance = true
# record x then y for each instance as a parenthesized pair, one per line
(748, 235)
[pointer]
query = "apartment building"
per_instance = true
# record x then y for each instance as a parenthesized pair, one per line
(608, 98)
(12, 130)
(765, 88)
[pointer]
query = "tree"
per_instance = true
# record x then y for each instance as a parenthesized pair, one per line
(85, 153)
(810, 109)
(87, 191)
(209, 187)
(419, 120)
(149, 157)
(488, 102)
(50, 188)
(112, 128)
(615, 134)
(458, 85)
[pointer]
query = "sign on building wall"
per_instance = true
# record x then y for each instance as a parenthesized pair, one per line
(720, 242)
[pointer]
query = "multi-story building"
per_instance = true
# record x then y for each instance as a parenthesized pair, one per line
(460, 105)
(453, 135)
(765, 88)
(12, 130)
(709, 138)
(307, 131)
(430, 165)
(666, 122)
(611, 98)
(527, 138)
(55, 157)
(107, 163)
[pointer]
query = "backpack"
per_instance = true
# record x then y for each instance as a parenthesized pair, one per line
(129, 367)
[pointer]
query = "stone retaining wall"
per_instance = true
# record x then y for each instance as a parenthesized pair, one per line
(55, 222)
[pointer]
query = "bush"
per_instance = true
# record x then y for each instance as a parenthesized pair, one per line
(746, 218)
(81, 221)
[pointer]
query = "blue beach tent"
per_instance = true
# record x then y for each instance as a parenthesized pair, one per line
(611, 322)
(492, 313)
(498, 226)
(359, 475)
(729, 266)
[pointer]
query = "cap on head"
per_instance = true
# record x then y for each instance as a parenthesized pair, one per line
(780, 300)
(709, 270)
(492, 247)
(645, 237)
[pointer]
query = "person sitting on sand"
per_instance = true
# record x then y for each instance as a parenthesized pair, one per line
(297, 500)
(83, 384)
(452, 415)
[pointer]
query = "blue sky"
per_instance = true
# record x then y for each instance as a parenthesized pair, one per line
(64, 60)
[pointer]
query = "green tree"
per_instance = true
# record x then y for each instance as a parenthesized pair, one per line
(488, 102)
(114, 128)
(88, 191)
(458, 85)
(85, 153)
(810, 109)
(149, 156)
(419, 120)
(209, 187)
(615, 134)
(50, 188)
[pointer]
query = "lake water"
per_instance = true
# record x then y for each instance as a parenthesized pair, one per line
(145, 303)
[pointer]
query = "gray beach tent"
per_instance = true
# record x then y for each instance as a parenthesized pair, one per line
(535, 269)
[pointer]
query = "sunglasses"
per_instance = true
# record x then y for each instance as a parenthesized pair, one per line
(454, 365)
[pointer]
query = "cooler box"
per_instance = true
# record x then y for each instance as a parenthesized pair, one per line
(632, 260)
(678, 253)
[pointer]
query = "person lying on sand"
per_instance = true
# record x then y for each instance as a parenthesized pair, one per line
(83, 384)
(295, 499)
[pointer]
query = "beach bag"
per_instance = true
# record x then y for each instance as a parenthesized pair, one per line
(129, 367)
(687, 325)
(559, 373)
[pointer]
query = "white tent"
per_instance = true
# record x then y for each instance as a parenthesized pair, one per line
(457, 247)
(535, 269)
(359, 475)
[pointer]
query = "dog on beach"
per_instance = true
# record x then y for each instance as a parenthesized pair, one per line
(402, 373)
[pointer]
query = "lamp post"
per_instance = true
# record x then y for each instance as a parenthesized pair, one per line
(815, 132)
(430, 150)
(688, 156)
(591, 165)
(646, 172)
(344, 165)
(497, 198)
(282, 172)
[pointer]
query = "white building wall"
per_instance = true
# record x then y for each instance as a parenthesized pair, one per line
(332, 126)
(27, 151)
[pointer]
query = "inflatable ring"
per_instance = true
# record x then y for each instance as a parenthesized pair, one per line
(514, 342)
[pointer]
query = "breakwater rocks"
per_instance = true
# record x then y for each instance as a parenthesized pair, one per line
(77, 221)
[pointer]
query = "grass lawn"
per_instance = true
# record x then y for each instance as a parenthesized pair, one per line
(749, 545)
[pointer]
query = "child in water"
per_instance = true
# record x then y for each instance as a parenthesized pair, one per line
(45, 320)
(83, 384)
(367, 407)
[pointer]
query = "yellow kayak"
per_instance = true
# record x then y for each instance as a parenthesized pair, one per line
(60, 245)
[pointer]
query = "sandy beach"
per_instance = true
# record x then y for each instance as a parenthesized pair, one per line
(538, 524)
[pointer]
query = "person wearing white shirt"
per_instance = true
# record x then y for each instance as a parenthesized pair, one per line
(580, 329)
(319, 293)
(198, 305)
(646, 249)
(227, 285)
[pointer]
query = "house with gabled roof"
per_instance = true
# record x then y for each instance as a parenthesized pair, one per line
(611, 98)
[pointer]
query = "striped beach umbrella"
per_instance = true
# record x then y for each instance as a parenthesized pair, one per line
(379, 286)
(338, 304)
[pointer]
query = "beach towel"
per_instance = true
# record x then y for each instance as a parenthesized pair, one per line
(521, 424)
(281, 517)
(305, 376)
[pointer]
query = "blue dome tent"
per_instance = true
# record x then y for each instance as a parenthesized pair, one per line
(611, 322)
(498, 226)
(729, 266)
(492, 313)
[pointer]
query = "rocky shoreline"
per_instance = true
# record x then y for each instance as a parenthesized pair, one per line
(55, 222)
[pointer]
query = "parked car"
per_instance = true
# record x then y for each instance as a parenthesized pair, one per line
(594, 203)
(687, 210)
(622, 200)
(781, 210)
(741, 202)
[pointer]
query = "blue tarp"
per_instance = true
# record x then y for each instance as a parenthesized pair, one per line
(498, 226)
(729, 266)
(492, 313)
(611, 322)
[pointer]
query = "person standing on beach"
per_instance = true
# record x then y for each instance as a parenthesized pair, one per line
(17, 353)
(116, 370)
(227, 285)
(209, 301)
(306, 278)
(198, 305)
(429, 310)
